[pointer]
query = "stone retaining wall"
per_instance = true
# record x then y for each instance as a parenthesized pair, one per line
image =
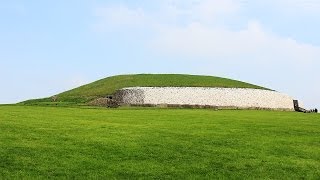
(201, 96)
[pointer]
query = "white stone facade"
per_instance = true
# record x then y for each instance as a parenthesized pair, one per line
(201, 96)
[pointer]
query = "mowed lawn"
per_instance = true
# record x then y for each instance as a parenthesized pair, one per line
(53, 142)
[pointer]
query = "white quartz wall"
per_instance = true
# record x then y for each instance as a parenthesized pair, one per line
(221, 97)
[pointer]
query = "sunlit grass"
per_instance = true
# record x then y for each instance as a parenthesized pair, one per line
(42, 142)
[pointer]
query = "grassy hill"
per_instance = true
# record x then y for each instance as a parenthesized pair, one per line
(78, 143)
(108, 86)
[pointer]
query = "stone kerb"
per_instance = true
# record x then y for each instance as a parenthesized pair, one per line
(241, 98)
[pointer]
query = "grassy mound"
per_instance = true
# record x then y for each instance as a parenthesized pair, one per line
(108, 86)
(78, 143)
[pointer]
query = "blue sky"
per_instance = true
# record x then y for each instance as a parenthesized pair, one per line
(47, 47)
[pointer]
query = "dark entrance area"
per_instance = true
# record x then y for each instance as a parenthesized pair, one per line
(296, 105)
(300, 109)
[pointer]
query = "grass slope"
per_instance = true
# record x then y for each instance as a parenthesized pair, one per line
(109, 85)
(75, 143)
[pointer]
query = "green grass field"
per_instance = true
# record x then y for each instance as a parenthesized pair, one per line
(110, 85)
(55, 142)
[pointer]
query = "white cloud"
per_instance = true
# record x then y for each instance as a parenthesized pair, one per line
(174, 11)
(202, 10)
(199, 36)
(209, 9)
(197, 40)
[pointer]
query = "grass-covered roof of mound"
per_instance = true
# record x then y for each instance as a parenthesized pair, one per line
(110, 85)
